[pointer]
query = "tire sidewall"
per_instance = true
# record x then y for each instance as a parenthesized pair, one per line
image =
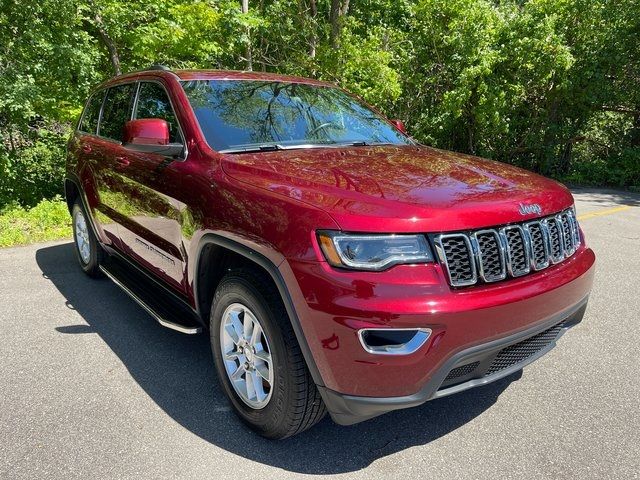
(269, 418)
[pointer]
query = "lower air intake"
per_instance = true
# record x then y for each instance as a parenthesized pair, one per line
(461, 371)
(519, 352)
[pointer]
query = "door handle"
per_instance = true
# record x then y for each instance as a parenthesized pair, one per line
(122, 162)
(86, 148)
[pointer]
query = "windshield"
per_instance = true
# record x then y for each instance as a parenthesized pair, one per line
(247, 115)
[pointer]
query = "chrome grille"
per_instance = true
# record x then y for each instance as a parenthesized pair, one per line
(459, 259)
(517, 251)
(567, 235)
(490, 255)
(539, 246)
(574, 229)
(491, 261)
(555, 240)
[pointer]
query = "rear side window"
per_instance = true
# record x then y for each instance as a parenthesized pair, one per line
(153, 102)
(91, 115)
(116, 111)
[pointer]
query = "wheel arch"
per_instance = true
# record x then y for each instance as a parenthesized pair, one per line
(74, 192)
(71, 192)
(225, 254)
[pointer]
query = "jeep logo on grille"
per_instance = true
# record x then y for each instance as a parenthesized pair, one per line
(528, 209)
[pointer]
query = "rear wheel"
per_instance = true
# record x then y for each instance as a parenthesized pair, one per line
(88, 250)
(258, 359)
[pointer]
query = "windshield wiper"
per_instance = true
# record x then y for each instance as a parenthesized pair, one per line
(362, 143)
(269, 147)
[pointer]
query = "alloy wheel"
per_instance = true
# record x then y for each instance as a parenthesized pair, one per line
(246, 355)
(82, 238)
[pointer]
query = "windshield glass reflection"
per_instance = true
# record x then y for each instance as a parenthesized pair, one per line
(247, 115)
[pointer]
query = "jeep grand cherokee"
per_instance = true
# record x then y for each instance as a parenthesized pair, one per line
(337, 265)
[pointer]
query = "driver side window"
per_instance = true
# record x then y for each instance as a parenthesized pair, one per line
(153, 102)
(116, 111)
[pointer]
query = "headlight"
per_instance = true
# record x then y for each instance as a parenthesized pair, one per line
(373, 252)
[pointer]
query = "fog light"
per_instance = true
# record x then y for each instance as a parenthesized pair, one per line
(393, 341)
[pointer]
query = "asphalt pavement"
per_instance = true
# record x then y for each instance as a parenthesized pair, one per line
(92, 387)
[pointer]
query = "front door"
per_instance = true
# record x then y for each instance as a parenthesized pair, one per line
(151, 232)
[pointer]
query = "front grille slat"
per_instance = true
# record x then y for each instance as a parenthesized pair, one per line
(493, 254)
(459, 259)
(539, 249)
(517, 250)
(574, 228)
(567, 234)
(491, 257)
(555, 240)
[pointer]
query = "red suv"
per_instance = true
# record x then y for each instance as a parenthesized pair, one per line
(337, 264)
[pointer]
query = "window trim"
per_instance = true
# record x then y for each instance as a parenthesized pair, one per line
(102, 91)
(134, 106)
(134, 112)
(106, 91)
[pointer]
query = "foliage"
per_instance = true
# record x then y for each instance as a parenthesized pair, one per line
(552, 85)
(34, 170)
(49, 220)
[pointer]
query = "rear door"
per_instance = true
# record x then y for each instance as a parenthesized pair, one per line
(152, 232)
(109, 157)
(88, 150)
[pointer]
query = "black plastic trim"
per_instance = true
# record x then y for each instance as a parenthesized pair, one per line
(73, 178)
(276, 275)
(349, 409)
(175, 296)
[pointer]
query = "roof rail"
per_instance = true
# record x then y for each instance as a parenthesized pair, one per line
(157, 66)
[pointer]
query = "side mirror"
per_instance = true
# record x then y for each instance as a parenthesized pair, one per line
(399, 124)
(150, 135)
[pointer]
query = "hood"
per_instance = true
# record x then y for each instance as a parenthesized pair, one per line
(401, 189)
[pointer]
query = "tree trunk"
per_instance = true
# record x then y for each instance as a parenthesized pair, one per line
(111, 47)
(12, 143)
(339, 8)
(345, 8)
(313, 40)
(106, 39)
(635, 130)
(245, 9)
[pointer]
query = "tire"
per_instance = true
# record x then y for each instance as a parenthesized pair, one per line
(88, 251)
(292, 403)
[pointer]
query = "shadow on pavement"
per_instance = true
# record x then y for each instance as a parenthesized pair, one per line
(605, 196)
(176, 371)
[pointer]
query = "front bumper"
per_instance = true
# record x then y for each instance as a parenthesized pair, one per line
(334, 305)
(469, 368)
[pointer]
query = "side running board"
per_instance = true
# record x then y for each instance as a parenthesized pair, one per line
(152, 297)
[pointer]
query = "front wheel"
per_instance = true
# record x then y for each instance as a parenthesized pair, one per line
(88, 250)
(258, 359)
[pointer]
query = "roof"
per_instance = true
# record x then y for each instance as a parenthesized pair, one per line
(242, 75)
(217, 75)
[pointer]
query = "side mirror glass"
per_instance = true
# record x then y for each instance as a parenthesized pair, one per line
(150, 135)
(399, 124)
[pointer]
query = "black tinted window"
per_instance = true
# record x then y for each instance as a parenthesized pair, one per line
(153, 102)
(116, 111)
(237, 114)
(91, 113)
